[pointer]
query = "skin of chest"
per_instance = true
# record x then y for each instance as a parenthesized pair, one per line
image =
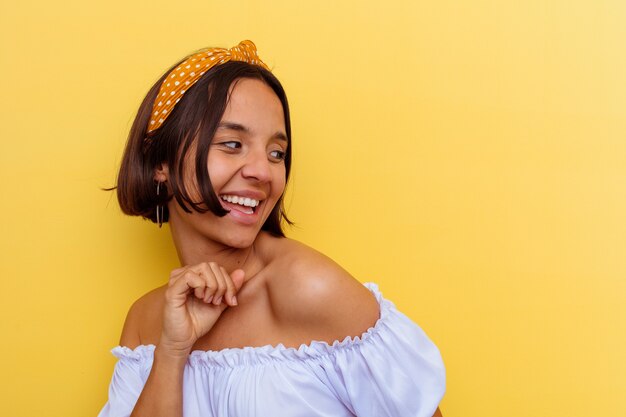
(251, 323)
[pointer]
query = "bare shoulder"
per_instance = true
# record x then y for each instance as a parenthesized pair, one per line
(314, 296)
(143, 321)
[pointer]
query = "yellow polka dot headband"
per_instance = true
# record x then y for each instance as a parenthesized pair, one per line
(189, 71)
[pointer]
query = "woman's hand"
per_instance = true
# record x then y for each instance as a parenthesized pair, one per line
(195, 298)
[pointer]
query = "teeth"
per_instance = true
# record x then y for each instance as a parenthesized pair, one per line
(243, 201)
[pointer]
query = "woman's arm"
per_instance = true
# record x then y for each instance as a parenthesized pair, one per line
(188, 314)
(163, 393)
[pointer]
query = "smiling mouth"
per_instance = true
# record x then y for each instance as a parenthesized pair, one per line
(243, 204)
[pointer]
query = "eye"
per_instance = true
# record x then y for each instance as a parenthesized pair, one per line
(232, 144)
(277, 155)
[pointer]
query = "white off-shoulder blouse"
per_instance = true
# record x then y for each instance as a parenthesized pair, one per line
(393, 369)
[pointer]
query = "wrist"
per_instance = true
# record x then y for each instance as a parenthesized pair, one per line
(167, 356)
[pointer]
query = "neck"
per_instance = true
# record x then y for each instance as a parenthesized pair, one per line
(196, 249)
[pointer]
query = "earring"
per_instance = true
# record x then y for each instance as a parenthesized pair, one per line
(159, 207)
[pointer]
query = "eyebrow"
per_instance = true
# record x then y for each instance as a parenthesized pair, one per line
(241, 128)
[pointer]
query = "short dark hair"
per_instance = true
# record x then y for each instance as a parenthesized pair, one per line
(197, 115)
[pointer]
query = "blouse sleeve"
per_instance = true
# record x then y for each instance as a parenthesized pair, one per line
(129, 377)
(392, 370)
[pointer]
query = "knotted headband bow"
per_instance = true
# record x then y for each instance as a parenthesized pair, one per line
(189, 71)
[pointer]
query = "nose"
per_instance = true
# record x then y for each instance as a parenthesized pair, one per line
(257, 167)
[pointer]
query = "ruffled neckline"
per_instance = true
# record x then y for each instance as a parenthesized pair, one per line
(248, 356)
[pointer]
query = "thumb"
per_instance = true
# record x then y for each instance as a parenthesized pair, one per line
(238, 276)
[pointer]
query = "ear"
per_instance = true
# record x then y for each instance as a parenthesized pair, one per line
(161, 172)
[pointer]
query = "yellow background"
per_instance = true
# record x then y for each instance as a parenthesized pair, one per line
(469, 156)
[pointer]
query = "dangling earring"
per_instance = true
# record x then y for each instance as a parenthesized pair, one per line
(159, 208)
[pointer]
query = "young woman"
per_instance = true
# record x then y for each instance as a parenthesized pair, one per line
(252, 323)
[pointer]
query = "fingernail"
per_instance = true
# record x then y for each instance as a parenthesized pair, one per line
(218, 301)
(209, 299)
(233, 300)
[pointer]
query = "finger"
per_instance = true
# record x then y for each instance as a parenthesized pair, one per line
(229, 297)
(210, 283)
(199, 292)
(237, 277)
(208, 296)
(187, 280)
(178, 288)
(221, 283)
(177, 271)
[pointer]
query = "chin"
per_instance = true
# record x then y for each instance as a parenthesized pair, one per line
(241, 241)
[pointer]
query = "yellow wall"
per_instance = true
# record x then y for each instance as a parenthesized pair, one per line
(469, 156)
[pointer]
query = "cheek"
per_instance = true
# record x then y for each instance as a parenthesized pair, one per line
(280, 181)
(218, 169)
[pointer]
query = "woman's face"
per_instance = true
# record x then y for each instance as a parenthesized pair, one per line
(246, 167)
